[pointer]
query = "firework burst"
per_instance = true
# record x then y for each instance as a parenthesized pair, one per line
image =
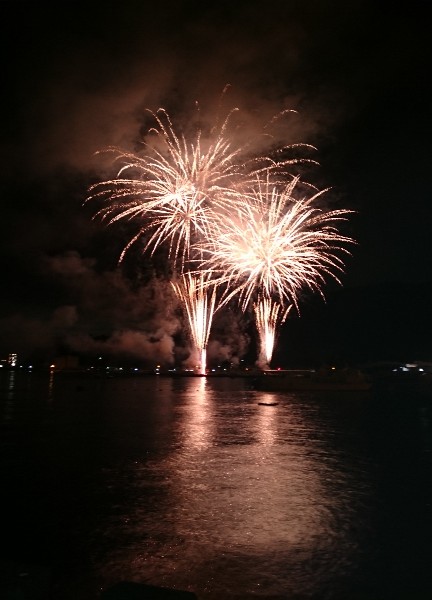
(228, 218)
(174, 188)
(275, 245)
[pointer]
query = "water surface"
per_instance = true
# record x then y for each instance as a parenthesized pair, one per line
(190, 483)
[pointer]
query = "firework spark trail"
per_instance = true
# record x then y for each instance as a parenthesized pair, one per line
(268, 316)
(175, 188)
(204, 196)
(275, 245)
(199, 301)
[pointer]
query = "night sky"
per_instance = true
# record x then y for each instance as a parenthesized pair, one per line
(79, 79)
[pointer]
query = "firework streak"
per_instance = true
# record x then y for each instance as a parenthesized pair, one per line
(235, 224)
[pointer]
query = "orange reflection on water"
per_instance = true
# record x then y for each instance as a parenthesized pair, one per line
(197, 430)
(252, 491)
(243, 485)
(9, 404)
(267, 415)
(51, 385)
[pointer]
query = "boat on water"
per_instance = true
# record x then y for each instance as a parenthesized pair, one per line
(322, 380)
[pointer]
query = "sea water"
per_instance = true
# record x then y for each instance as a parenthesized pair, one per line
(189, 483)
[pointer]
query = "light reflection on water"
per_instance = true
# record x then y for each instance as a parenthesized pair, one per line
(251, 499)
(8, 405)
(190, 483)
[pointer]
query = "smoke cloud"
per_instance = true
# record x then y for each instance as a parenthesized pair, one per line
(79, 81)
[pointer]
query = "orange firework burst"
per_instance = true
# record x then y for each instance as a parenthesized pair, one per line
(177, 185)
(229, 212)
(275, 244)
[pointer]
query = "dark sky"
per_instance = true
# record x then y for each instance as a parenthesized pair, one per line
(80, 78)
